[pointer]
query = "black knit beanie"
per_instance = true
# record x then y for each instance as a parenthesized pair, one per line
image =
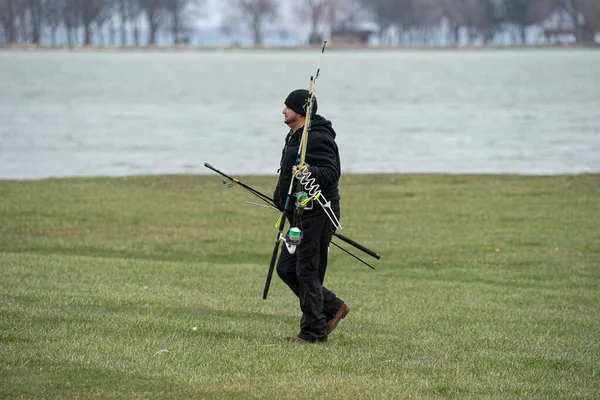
(297, 101)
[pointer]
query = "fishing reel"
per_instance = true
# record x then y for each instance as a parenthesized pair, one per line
(303, 202)
(228, 183)
(293, 239)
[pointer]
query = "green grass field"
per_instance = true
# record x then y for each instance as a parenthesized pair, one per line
(151, 287)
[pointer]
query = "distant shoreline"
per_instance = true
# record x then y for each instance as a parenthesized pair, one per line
(332, 47)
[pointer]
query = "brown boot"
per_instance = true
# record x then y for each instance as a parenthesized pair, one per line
(339, 315)
(294, 339)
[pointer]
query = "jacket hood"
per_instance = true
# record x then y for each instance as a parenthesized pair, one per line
(318, 124)
(321, 124)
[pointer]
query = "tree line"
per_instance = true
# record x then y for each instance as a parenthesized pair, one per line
(125, 21)
(24, 20)
(485, 18)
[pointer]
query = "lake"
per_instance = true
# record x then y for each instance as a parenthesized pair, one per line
(92, 113)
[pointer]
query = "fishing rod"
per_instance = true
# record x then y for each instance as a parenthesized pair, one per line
(255, 192)
(271, 204)
(294, 235)
(302, 174)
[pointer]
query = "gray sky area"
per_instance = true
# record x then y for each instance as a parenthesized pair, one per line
(215, 12)
(209, 26)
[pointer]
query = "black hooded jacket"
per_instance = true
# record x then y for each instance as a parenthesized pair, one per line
(323, 158)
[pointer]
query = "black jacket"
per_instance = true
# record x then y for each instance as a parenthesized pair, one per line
(323, 158)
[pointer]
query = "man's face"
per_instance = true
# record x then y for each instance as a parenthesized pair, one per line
(290, 117)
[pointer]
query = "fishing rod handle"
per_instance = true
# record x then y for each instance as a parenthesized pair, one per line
(274, 255)
(232, 179)
(271, 268)
(357, 245)
(207, 165)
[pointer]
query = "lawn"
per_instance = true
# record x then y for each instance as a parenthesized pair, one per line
(151, 287)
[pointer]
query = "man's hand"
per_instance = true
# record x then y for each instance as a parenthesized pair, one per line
(303, 172)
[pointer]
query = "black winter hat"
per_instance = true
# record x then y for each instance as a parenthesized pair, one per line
(297, 101)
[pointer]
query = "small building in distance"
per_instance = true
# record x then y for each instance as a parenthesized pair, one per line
(560, 35)
(346, 35)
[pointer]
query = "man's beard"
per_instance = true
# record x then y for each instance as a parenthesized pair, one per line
(289, 121)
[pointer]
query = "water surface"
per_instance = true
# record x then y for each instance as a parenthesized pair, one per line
(128, 113)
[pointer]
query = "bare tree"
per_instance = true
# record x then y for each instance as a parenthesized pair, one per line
(313, 11)
(524, 13)
(8, 19)
(181, 14)
(22, 21)
(155, 15)
(53, 13)
(15, 20)
(93, 13)
(585, 15)
(427, 15)
(340, 13)
(479, 17)
(72, 19)
(174, 10)
(129, 11)
(406, 15)
(489, 20)
(590, 10)
(34, 12)
(123, 8)
(84, 13)
(454, 11)
(135, 13)
(114, 24)
(384, 12)
(254, 14)
(104, 16)
(517, 12)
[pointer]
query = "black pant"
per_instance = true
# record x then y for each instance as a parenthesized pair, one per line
(304, 272)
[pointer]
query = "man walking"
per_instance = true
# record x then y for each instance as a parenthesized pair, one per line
(304, 270)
